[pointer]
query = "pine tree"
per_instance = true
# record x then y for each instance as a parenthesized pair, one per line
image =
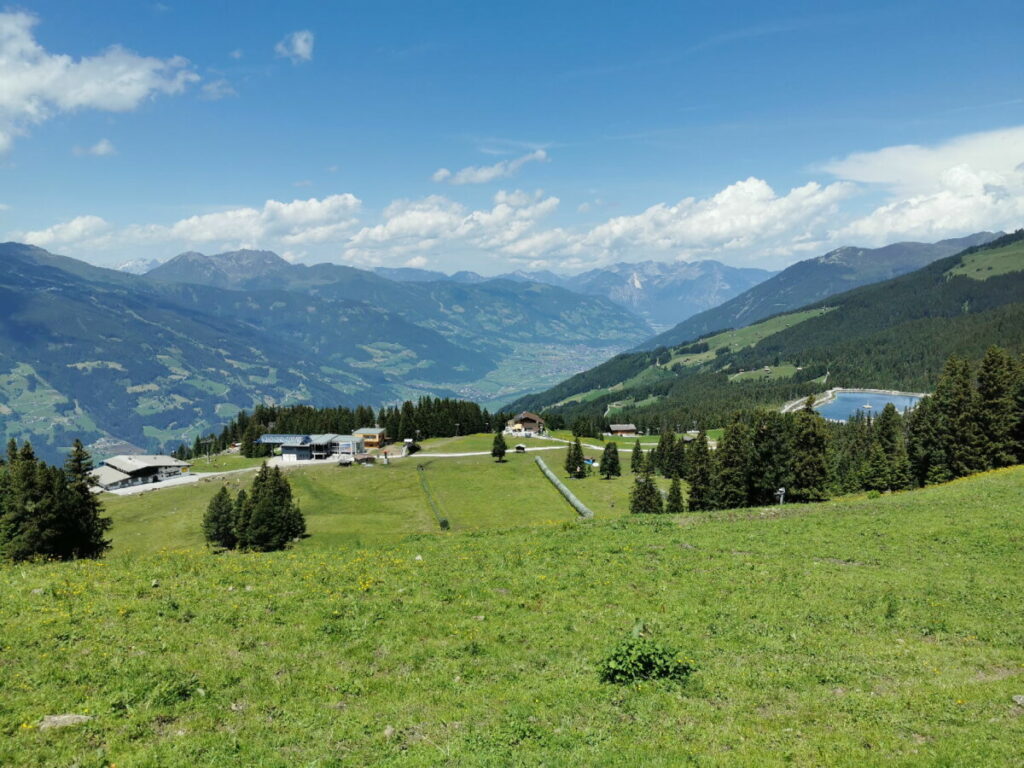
(699, 473)
(732, 459)
(960, 440)
(273, 517)
(676, 462)
(924, 449)
(610, 461)
(661, 456)
(85, 528)
(49, 512)
(645, 498)
(575, 466)
(997, 407)
(498, 448)
(219, 520)
(771, 456)
(810, 448)
(636, 460)
(675, 504)
(888, 434)
(240, 515)
(876, 473)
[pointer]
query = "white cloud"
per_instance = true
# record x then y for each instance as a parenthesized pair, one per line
(417, 262)
(215, 90)
(482, 174)
(415, 226)
(745, 215)
(297, 46)
(36, 85)
(102, 148)
(963, 185)
(69, 232)
(236, 54)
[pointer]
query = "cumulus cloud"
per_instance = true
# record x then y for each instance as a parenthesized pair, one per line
(74, 231)
(417, 262)
(297, 46)
(36, 85)
(743, 215)
(482, 174)
(102, 148)
(413, 226)
(966, 184)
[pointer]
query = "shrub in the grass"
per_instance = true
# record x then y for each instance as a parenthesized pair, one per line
(641, 658)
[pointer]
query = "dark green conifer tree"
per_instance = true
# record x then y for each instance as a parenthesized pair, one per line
(610, 461)
(575, 466)
(674, 503)
(219, 520)
(732, 475)
(955, 403)
(810, 448)
(274, 518)
(498, 447)
(700, 473)
(771, 456)
(661, 456)
(997, 407)
(888, 435)
(636, 460)
(85, 528)
(645, 498)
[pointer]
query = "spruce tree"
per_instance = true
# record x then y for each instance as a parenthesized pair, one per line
(219, 520)
(661, 456)
(700, 473)
(732, 461)
(771, 456)
(610, 461)
(876, 473)
(645, 498)
(959, 434)
(575, 466)
(498, 448)
(636, 460)
(810, 448)
(997, 407)
(87, 525)
(241, 513)
(924, 448)
(274, 518)
(675, 504)
(888, 434)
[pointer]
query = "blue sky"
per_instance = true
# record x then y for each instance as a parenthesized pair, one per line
(498, 136)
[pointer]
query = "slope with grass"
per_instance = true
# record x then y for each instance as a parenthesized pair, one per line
(859, 633)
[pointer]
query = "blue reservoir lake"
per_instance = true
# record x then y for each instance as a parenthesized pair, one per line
(846, 403)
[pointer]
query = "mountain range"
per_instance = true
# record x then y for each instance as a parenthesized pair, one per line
(812, 280)
(893, 334)
(662, 293)
(150, 361)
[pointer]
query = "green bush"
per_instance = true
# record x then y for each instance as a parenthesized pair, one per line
(640, 658)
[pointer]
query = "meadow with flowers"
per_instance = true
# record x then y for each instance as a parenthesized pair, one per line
(853, 632)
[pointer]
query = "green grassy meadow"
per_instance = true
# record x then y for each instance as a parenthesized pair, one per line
(858, 632)
(981, 265)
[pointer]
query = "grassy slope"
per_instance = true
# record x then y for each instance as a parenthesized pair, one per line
(849, 633)
(981, 265)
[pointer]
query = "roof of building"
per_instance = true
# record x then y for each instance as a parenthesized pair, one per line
(371, 431)
(136, 463)
(283, 439)
(528, 415)
(107, 476)
(622, 427)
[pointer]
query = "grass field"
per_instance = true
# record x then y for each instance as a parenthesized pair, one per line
(867, 632)
(351, 507)
(785, 371)
(982, 265)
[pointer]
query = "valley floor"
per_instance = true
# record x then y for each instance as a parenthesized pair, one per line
(859, 632)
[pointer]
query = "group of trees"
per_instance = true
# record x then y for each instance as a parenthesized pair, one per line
(265, 519)
(974, 421)
(49, 512)
(427, 417)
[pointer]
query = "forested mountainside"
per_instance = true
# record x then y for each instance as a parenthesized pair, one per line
(106, 355)
(895, 334)
(815, 279)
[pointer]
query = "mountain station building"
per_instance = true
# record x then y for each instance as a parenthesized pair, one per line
(309, 447)
(622, 430)
(128, 470)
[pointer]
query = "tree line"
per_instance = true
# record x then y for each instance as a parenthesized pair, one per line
(424, 418)
(49, 512)
(974, 421)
